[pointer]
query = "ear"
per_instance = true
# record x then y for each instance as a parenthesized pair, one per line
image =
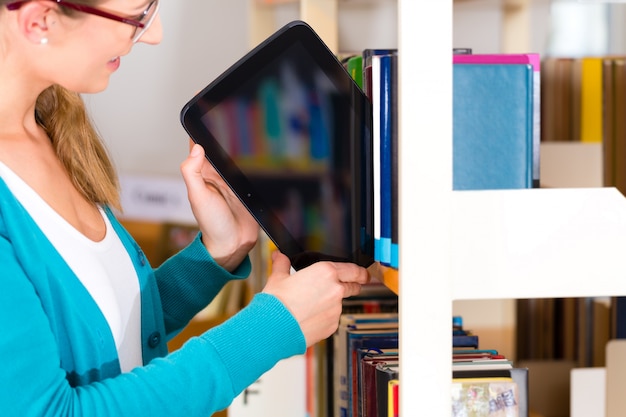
(34, 19)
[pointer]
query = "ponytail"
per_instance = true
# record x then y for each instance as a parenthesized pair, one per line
(63, 116)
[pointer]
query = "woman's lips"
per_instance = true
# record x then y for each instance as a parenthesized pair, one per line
(114, 64)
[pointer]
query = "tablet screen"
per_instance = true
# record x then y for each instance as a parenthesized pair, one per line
(289, 131)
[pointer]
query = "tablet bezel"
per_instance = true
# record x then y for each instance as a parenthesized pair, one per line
(361, 229)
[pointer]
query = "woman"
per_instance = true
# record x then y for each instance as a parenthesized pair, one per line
(83, 316)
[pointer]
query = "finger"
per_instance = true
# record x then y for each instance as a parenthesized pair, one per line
(351, 289)
(348, 272)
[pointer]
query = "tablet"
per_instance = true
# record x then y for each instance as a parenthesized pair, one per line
(290, 132)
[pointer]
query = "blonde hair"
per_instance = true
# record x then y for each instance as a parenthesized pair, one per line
(63, 116)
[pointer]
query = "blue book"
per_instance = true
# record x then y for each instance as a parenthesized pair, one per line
(386, 138)
(533, 59)
(394, 165)
(465, 341)
(382, 95)
(493, 126)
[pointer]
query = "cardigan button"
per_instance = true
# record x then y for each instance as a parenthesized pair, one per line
(142, 258)
(154, 339)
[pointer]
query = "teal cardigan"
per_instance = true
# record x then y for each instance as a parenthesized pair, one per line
(58, 356)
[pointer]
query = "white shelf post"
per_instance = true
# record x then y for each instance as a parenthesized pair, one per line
(425, 174)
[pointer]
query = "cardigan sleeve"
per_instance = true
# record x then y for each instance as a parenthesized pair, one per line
(200, 378)
(189, 280)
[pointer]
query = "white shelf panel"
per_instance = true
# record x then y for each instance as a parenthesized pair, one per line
(425, 177)
(538, 243)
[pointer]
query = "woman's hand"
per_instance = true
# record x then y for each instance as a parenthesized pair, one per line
(314, 294)
(228, 230)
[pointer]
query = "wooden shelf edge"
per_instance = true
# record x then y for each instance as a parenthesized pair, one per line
(388, 276)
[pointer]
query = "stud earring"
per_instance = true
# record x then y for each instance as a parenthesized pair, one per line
(43, 41)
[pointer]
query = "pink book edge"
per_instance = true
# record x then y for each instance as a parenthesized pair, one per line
(532, 59)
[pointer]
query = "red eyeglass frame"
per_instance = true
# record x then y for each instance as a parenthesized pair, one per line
(85, 9)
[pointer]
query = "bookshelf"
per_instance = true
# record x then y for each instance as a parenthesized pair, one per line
(473, 245)
(479, 244)
(516, 17)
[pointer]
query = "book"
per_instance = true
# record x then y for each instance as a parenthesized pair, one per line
(470, 355)
(482, 364)
(557, 99)
(489, 396)
(608, 123)
(385, 373)
(380, 85)
(354, 66)
(518, 374)
(364, 340)
(318, 376)
(576, 78)
(386, 96)
(394, 398)
(367, 66)
(591, 100)
(373, 299)
(374, 65)
(465, 340)
(395, 249)
(367, 393)
(533, 59)
(492, 126)
(618, 313)
(341, 355)
(619, 127)
(474, 351)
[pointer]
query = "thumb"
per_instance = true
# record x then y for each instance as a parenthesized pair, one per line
(192, 167)
(196, 154)
(280, 265)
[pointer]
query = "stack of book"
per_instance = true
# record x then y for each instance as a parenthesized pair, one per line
(376, 72)
(484, 382)
(365, 364)
(369, 328)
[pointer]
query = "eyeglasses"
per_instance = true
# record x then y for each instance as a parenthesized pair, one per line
(141, 22)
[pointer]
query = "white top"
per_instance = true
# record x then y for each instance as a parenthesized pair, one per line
(104, 268)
